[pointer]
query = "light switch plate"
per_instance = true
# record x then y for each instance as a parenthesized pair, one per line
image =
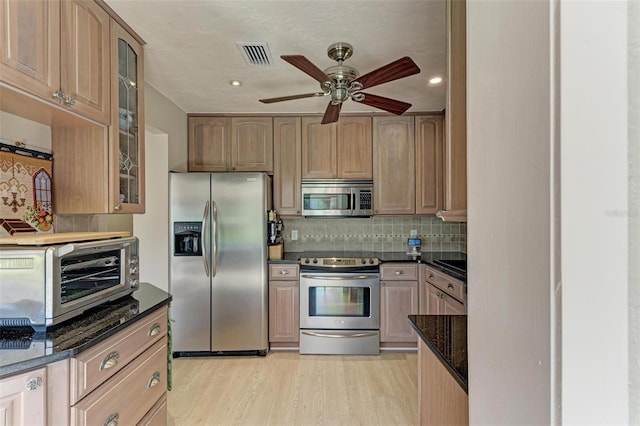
(294, 235)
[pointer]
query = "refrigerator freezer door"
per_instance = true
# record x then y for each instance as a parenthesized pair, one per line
(189, 284)
(239, 288)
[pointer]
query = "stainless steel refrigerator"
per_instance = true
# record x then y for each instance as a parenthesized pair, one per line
(218, 271)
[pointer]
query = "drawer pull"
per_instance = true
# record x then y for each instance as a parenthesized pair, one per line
(398, 272)
(110, 361)
(112, 420)
(450, 286)
(34, 383)
(284, 272)
(155, 330)
(155, 379)
(430, 276)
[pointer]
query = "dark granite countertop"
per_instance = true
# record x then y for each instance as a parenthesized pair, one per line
(446, 336)
(23, 349)
(425, 257)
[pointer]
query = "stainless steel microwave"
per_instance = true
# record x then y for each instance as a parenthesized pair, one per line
(41, 286)
(337, 198)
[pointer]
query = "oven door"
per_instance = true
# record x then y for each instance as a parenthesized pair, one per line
(85, 275)
(335, 300)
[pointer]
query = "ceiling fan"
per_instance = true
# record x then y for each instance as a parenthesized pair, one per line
(342, 82)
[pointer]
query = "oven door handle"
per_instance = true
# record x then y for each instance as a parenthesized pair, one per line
(338, 336)
(341, 277)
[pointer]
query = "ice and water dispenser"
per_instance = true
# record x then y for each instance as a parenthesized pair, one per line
(187, 237)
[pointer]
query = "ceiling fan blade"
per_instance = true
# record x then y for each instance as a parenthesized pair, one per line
(289, 98)
(306, 66)
(403, 67)
(390, 105)
(332, 113)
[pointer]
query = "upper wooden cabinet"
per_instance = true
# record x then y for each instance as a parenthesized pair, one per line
(394, 166)
(222, 144)
(337, 150)
(58, 51)
(126, 133)
(455, 171)
(101, 169)
(429, 151)
(407, 165)
(287, 146)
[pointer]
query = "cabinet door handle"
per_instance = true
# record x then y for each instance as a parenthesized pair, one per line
(58, 94)
(118, 207)
(112, 420)
(34, 383)
(69, 101)
(110, 361)
(155, 330)
(450, 286)
(155, 379)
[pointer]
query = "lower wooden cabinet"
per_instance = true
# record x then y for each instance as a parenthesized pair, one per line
(284, 305)
(398, 299)
(23, 399)
(441, 400)
(440, 294)
(122, 380)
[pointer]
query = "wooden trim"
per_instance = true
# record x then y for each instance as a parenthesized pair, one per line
(346, 114)
(119, 20)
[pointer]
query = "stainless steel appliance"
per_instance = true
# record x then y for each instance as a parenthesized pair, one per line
(45, 285)
(218, 271)
(339, 305)
(337, 198)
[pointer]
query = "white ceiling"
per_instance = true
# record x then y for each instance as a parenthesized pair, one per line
(191, 52)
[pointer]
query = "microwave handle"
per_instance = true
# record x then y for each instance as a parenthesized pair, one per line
(353, 202)
(203, 239)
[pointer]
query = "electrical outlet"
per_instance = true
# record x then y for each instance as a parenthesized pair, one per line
(413, 233)
(294, 235)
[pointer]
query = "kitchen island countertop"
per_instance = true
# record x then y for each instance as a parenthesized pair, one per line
(23, 349)
(446, 336)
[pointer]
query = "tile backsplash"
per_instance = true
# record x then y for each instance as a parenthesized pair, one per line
(382, 234)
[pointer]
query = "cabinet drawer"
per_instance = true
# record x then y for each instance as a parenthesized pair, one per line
(157, 416)
(398, 271)
(283, 272)
(445, 283)
(93, 367)
(129, 395)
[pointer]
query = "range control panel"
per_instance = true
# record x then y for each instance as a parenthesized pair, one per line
(339, 262)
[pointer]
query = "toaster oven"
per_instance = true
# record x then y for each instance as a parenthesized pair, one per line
(41, 286)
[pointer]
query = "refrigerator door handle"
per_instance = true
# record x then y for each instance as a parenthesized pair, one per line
(214, 211)
(204, 240)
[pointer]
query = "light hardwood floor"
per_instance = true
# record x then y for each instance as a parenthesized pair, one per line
(285, 388)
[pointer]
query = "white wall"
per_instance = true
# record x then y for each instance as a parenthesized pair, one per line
(14, 128)
(549, 215)
(509, 212)
(151, 227)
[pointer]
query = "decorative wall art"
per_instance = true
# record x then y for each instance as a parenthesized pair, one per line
(26, 180)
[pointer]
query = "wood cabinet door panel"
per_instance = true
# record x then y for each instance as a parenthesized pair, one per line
(252, 144)
(319, 149)
(30, 43)
(284, 311)
(433, 301)
(85, 58)
(429, 164)
(287, 166)
(451, 306)
(208, 144)
(23, 399)
(398, 299)
(355, 157)
(394, 165)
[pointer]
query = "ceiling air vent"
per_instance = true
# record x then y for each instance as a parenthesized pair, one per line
(256, 53)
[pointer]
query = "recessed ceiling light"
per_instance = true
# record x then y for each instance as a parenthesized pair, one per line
(235, 83)
(435, 80)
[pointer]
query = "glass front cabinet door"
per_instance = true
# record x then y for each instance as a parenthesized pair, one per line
(127, 124)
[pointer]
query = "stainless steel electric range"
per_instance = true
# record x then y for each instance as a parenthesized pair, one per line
(339, 304)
